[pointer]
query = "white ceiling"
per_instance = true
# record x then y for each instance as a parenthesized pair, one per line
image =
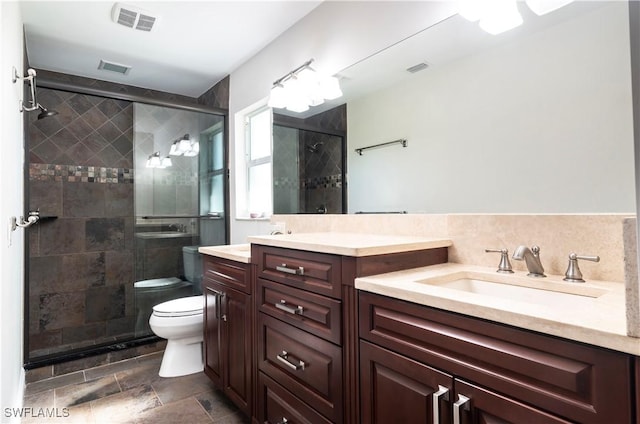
(192, 46)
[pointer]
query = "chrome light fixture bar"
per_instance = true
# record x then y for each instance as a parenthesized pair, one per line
(33, 103)
(303, 87)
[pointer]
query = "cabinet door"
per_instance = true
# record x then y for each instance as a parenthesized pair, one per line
(396, 389)
(236, 324)
(213, 333)
(475, 405)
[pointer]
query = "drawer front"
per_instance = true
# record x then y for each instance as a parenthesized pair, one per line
(575, 381)
(315, 272)
(319, 315)
(309, 367)
(229, 273)
(276, 405)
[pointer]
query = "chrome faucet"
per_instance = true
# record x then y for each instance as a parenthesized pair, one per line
(532, 258)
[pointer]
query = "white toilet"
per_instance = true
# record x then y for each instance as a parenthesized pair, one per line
(180, 321)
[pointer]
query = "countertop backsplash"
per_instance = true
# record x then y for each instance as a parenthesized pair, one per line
(557, 236)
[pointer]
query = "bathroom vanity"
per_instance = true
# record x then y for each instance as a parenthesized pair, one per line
(348, 328)
(228, 316)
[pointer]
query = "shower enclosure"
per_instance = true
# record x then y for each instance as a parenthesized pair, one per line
(111, 216)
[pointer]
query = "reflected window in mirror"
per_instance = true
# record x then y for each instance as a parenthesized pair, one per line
(258, 164)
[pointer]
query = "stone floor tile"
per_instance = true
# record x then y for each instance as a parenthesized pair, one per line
(124, 407)
(101, 371)
(237, 418)
(86, 392)
(80, 414)
(182, 411)
(176, 388)
(146, 373)
(43, 399)
(54, 382)
(216, 404)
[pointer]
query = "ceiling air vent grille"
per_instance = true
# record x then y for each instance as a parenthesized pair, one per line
(133, 17)
(417, 68)
(114, 67)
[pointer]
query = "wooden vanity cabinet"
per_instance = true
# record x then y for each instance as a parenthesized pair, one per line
(307, 331)
(411, 353)
(228, 329)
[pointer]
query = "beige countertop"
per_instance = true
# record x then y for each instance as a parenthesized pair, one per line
(350, 244)
(596, 316)
(233, 252)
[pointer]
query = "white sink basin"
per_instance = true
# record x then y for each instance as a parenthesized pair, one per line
(519, 289)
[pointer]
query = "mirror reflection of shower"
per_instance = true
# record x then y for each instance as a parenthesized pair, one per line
(33, 103)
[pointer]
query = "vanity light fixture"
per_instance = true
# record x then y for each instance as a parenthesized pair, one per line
(303, 87)
(497, 16)
(156, 161)
(184, 146)
(542, 7)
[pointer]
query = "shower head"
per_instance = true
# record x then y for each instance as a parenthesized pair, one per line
(315, 147)
(32, 104)
(44, 113)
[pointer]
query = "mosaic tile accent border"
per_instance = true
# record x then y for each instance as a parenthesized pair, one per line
(329, 181)
(76, 173)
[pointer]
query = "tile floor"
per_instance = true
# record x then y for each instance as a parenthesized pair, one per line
(128, 391)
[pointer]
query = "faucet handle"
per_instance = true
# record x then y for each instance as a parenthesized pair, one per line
(504, 266)
(573, 273)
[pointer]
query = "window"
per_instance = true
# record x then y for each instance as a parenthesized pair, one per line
(258, 162)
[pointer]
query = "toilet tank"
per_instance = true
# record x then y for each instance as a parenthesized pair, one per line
(193, 267)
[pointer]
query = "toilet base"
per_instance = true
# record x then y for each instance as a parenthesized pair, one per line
(182, 357)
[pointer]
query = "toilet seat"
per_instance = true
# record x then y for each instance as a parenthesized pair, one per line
(185, 306)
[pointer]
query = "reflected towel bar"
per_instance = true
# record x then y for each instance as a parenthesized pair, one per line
(402, 141)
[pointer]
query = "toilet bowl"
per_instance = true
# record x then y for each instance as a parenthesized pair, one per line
(180, 321)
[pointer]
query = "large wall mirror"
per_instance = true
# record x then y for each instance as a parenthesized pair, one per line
(534, 120)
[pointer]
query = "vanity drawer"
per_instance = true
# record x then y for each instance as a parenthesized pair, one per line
(319, 315)
(315, 272)
(306, 365)
(229, 273)
(581, 383)
(276, 404)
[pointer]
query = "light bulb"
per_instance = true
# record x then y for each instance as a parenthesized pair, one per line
(500, 16)
(278, 97)
(542, 7)
(330, 88)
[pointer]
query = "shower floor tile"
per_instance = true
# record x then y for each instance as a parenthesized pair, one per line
(128, 391)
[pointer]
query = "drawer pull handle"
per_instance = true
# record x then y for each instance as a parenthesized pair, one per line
(294, 271)
(284, 420)
(462, 403)
(443, 393)
(284, 358)
(284, 307)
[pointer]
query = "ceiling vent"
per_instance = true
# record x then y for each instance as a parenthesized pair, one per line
(417, 68)
(133, 17)
(114, 67)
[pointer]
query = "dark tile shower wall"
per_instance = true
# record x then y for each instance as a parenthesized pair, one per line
(315, 184)
(81, 264)
(321, 177)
